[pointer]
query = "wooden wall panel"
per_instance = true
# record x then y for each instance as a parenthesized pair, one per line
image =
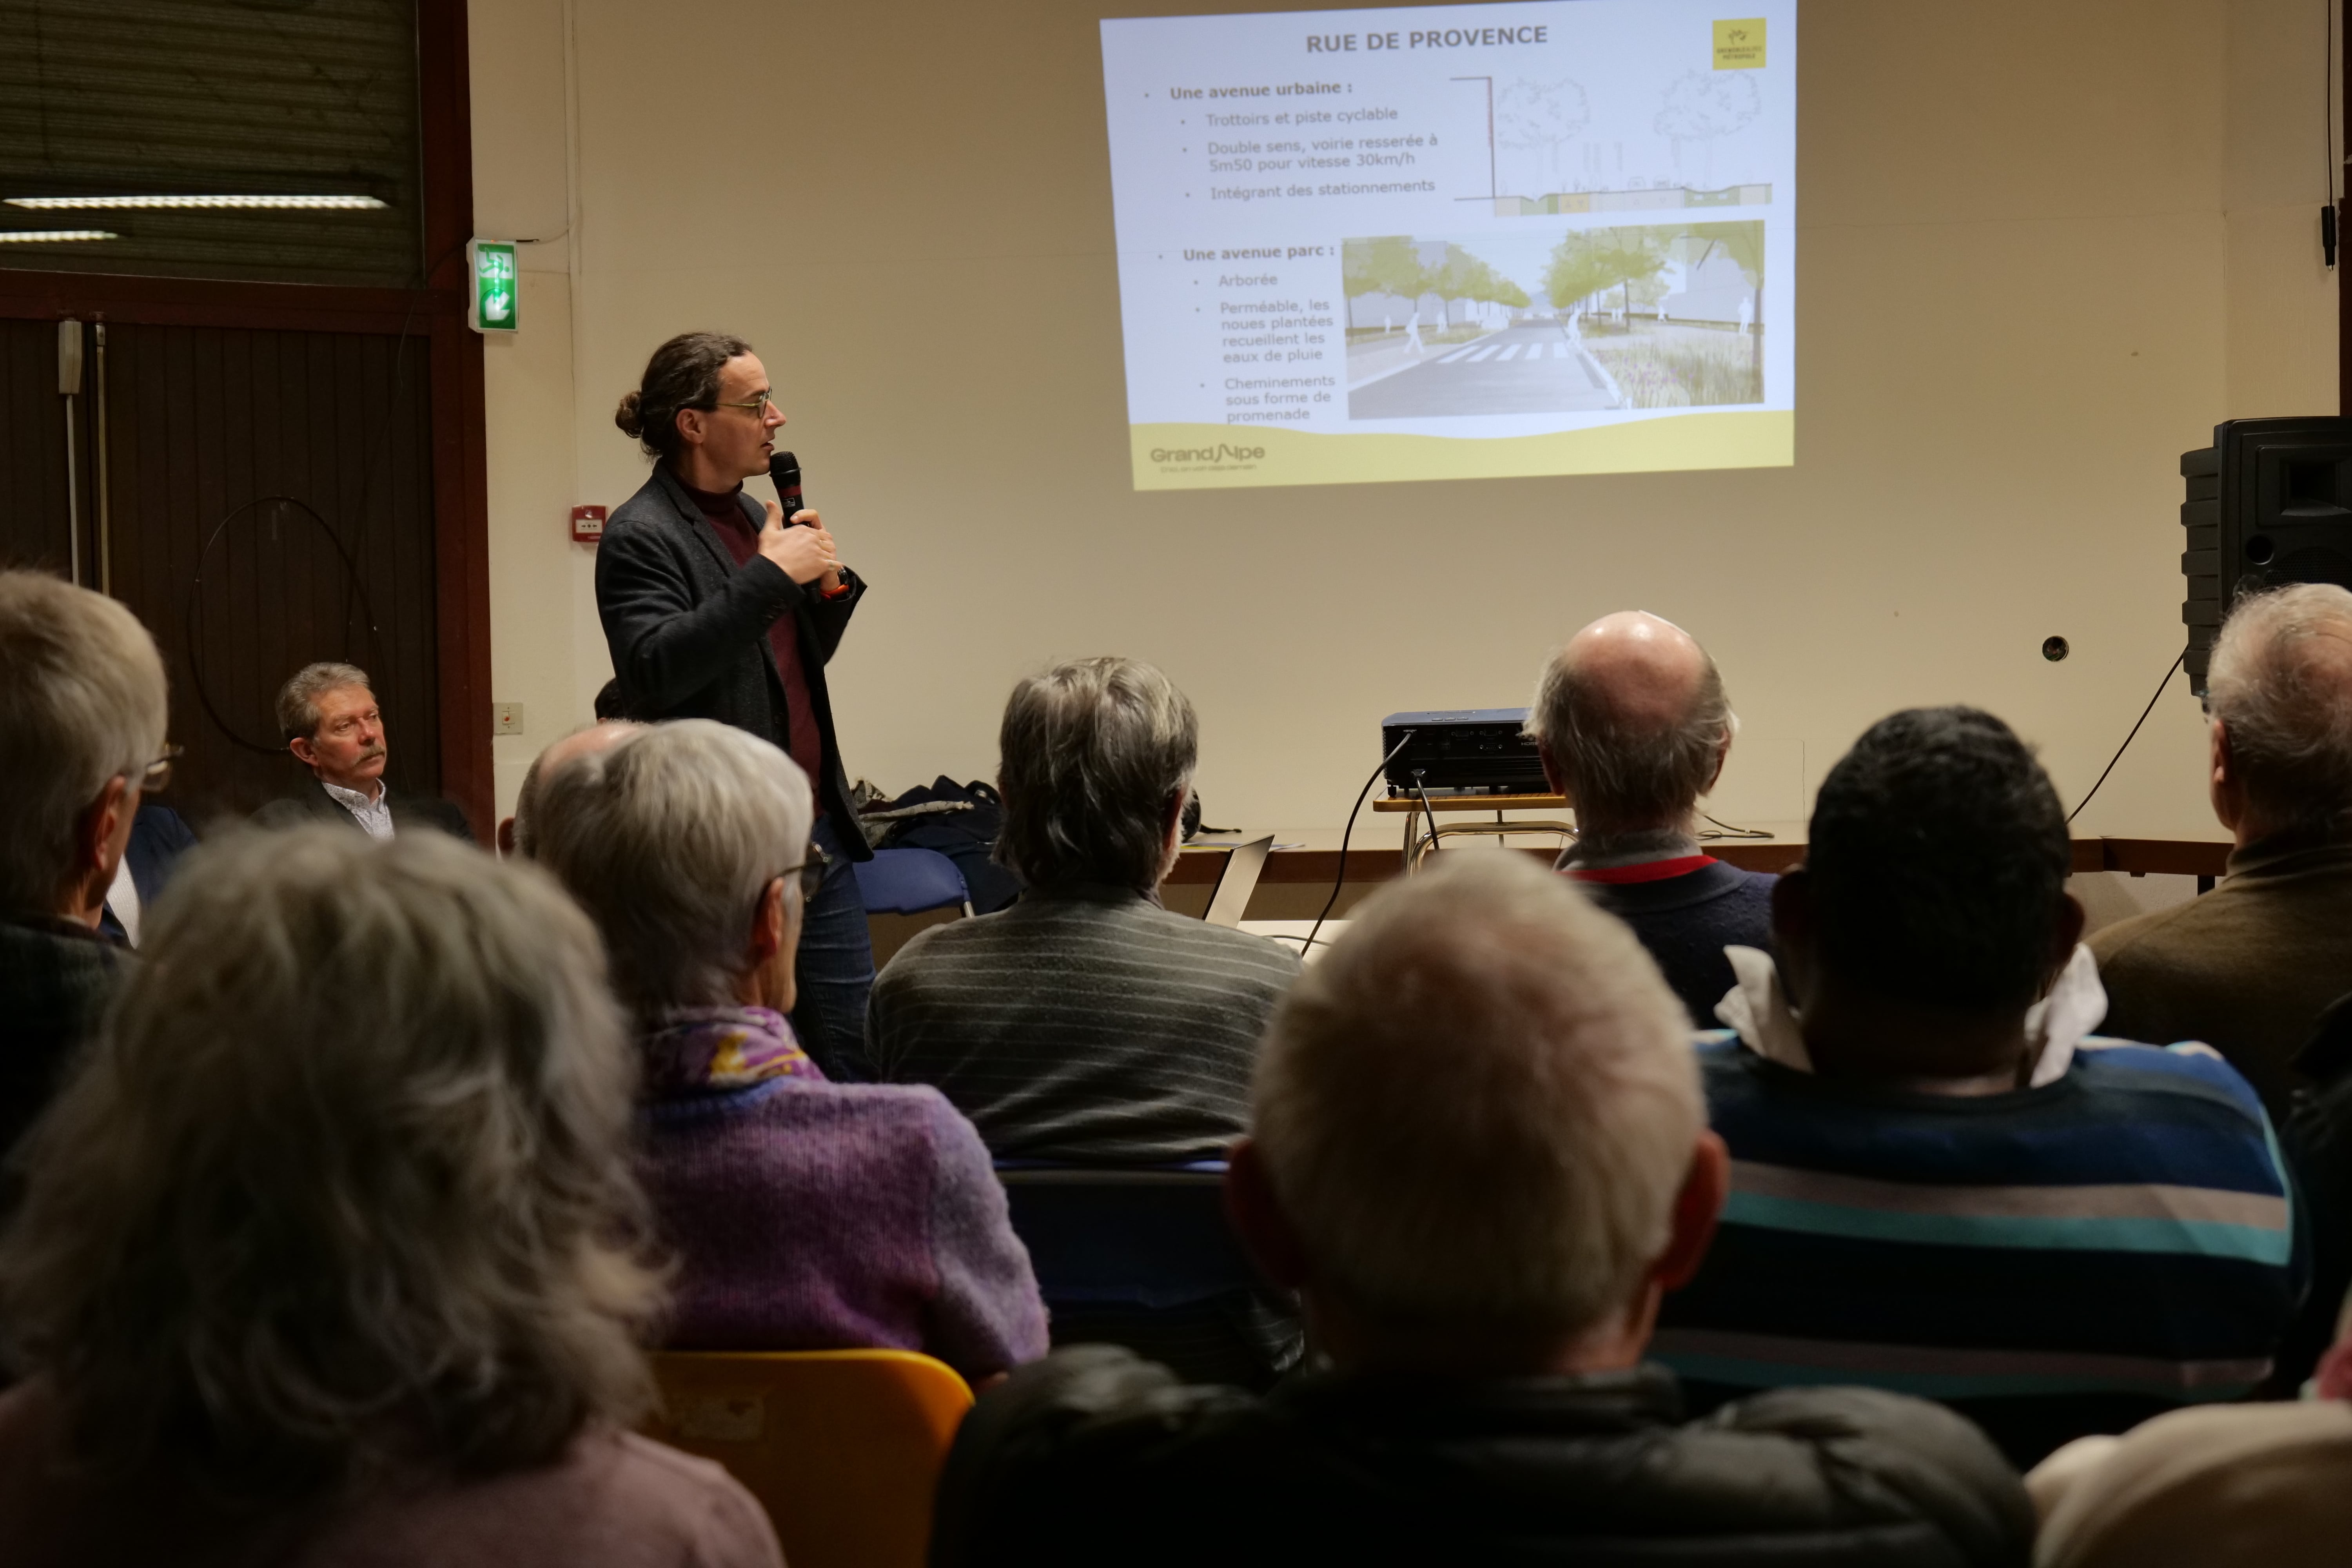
(272, 505)
(32, 449)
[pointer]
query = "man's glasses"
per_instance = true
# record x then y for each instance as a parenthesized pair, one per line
(812, 872)
(758, 406)
(157, 774)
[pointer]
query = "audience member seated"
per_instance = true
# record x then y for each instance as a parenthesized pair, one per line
(514, 834)
(2216, 1484)
(2248, 967)
(1633, 726)
(329, 1254)
(159, 836)
(807, 1215)
(328, 715)
(1087, 1023)
(1480, 1153)
(81, 736)
(1939, 1185)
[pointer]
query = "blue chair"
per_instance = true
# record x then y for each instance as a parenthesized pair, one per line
(1143, 1256)
(911, 881)
(1149, 1236)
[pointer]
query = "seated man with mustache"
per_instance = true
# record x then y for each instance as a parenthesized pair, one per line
(328, 714)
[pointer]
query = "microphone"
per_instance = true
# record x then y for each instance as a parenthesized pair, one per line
(785, 470)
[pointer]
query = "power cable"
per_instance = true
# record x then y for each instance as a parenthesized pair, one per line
(1426, 810)
(1340, 877)
(2169, 670)
(192, 607)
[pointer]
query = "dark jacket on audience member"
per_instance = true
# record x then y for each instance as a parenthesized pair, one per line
(159, 836)
(688, 629)
(1685, 911)
(55, 979)
(2246, 968)
(313, 803)
(1092, 1456)
(1085, 1024)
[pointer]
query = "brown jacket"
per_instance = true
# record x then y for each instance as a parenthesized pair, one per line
(2215, 1485)
(2246, 968)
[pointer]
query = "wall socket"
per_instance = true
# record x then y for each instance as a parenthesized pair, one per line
(506, 717)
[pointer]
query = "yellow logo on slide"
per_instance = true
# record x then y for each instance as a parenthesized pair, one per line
(1739, 46)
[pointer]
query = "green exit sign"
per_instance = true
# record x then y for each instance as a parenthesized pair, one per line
(496, 303)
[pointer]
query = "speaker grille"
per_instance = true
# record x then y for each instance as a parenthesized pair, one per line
(2312, 565)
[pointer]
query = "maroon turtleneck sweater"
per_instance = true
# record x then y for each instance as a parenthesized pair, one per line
(724, 512)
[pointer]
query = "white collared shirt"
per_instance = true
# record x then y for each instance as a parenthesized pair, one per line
(122, 900)
(373, 812)
(1759, 1011)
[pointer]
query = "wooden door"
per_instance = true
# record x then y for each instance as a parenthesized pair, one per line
(270, 502)
(33, 526)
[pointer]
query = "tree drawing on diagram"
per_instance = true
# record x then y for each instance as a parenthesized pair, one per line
(1704, 106)
(1540, 117)
(1707, 350)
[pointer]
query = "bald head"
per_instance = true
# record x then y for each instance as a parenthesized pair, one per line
(1633, 722)
(515, 833)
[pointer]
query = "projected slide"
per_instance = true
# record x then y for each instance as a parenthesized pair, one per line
(1454, 242)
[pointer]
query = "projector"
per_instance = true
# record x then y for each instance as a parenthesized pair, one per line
(1463, 751)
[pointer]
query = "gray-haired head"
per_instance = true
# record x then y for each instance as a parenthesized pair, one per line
(669, 841)
(603, 734)
(297, 700)
(1528, 1184)
(82, 702)
(2281, 684)
(346, 1169)
(1633, 716)
(1093, 757)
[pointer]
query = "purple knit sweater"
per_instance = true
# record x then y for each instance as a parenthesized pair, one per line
(815, 1215)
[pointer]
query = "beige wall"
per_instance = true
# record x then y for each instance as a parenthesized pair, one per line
(2045, 248)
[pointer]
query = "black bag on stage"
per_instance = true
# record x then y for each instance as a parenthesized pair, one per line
(960, 821)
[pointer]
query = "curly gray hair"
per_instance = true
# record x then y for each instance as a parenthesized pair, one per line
(2281, 684)
(344, 1183)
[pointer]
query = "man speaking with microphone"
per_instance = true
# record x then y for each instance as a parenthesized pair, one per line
(716, 606)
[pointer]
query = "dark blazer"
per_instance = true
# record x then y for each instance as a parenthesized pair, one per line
(408, 811)
(1092, 1455)
(159, 836)
(689, 629)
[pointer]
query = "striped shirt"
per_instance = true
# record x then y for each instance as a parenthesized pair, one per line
(2054, 1261)
(1088, 1024)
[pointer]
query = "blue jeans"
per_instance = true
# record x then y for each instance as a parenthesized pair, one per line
(835, 968)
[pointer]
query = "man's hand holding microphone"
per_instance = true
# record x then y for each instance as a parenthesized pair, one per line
(802, 548)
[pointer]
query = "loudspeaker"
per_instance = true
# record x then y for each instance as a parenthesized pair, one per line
(2269, 503)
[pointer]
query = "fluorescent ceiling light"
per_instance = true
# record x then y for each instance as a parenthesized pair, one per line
(49, 236)
(307, 204)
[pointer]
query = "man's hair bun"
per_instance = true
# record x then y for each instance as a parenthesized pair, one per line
(683, 374)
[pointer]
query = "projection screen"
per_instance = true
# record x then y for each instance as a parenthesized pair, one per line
(1455, 242)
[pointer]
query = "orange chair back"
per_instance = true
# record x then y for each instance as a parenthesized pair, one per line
(842, 1447)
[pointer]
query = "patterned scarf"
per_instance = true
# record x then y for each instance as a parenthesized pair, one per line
(706, 1050)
